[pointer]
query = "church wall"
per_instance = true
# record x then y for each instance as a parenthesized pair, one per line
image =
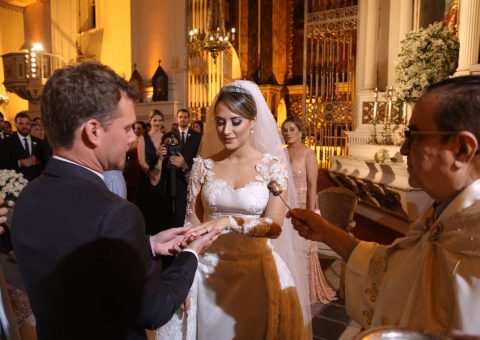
(159, 32)
(64, 18)
(279, 37)
(115, 37)
(11, 40)
(37, 25)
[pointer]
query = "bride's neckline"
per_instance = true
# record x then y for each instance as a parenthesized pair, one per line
(256, 180)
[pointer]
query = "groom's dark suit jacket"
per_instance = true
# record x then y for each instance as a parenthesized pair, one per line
(86, 262)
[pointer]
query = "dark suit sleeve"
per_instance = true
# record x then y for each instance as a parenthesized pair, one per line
(40, 151)
(147, 297)
(8, 160)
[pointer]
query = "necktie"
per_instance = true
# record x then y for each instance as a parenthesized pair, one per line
(183, 138)
(25, 142)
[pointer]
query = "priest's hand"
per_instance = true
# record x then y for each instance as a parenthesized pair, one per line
(309, 224)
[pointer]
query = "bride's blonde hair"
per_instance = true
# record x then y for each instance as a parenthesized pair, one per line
(238, 100)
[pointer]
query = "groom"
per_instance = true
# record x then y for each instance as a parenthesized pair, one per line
(82, 250)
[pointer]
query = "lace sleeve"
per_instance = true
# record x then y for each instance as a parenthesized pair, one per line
(275, 171)
(194, 206)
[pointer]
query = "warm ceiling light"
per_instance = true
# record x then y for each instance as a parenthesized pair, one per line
(37, 47)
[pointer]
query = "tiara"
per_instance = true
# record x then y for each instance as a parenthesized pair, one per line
(234, 88)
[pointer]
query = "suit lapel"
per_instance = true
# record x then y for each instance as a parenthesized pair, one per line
(19, 146)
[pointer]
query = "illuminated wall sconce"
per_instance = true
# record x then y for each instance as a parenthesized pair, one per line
(33, 60)
(3, 99)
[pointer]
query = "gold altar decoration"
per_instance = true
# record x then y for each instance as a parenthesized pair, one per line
(328, 78)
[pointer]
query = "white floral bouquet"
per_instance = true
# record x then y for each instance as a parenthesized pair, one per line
(426, 56)
(383, 156)
(11, 184)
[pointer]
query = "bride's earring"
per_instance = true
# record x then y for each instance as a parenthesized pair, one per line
(251, 130)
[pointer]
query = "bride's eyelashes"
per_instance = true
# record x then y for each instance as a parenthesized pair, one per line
(235, 121)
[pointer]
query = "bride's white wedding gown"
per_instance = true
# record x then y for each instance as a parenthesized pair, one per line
(242, 288)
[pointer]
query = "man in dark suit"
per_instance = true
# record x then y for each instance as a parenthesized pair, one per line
(3, 134)
(22, 152)
(82, 251)
(190, 143)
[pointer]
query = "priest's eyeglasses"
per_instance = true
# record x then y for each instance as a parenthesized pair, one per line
(411, 134)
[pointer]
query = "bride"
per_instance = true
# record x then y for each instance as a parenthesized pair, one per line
(247, 286)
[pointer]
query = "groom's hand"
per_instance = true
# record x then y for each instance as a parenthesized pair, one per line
(170, 241)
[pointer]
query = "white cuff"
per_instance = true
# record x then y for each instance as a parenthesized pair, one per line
(191, 251)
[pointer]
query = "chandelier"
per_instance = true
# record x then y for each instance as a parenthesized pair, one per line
(215, 39)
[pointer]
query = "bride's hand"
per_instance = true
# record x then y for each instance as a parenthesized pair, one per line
(218, 224)
(186, 305)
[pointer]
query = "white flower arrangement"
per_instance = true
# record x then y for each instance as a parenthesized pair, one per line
(383, 156)
(11, 184)
(426, 56)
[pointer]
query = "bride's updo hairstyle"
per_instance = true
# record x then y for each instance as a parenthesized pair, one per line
(238, 100)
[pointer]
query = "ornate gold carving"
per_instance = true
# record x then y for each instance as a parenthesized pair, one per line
(377, 195)
(11, 6)
(367, 113)
(330, 66)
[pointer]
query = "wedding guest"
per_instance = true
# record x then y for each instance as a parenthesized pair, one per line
(37, 131)
(7, 126)
(22, 151)
(183, 160)
(3, 133)
(198, 126)
(82, 252)
(429, 279)
(139, 128)
(133, 170)
(148, 147)
(305, 173)
(243, 290)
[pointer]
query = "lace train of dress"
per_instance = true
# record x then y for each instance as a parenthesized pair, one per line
(319, 289)
(242, 288)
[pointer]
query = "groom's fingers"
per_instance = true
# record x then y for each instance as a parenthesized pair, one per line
(203, 241)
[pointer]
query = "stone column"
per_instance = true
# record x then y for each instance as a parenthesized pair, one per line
(401, 23)
(366, 63)
(469, 35)
(370, 25)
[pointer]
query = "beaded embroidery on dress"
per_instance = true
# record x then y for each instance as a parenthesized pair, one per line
(242, 288)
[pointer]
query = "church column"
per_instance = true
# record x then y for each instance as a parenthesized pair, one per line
(469, 35)
(366, 63)
(368, 21)
(401, 23)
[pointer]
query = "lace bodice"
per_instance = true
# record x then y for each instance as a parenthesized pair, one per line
(250, 200)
